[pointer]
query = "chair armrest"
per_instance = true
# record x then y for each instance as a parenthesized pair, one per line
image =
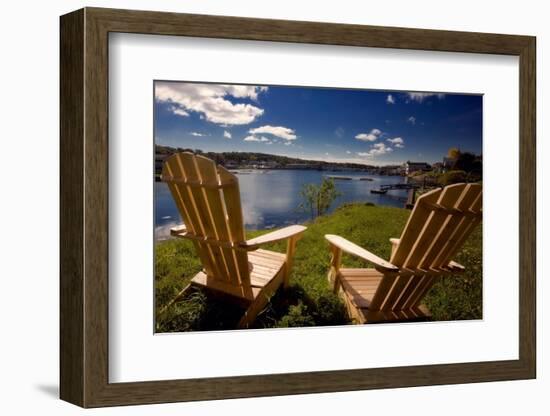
(178, 231)
(360, 252)
(250, 245)
(394, 244)
(456, 267)
(272, 237)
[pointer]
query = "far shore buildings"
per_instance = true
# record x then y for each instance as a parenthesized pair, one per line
(390, 170)
(231, 164)
(411, 167)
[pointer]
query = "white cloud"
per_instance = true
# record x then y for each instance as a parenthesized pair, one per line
(421, 96)
(179, 111)
(377, 149)
(396, 140)
(210, 101)
(412, 120)
(226, 134)
(279, 131)
(197, 134)
(390, 99)
(348, 152)
(253, 138)
(245, 91)
(369, 137)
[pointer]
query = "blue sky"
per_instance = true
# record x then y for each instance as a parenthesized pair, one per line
(361, 126)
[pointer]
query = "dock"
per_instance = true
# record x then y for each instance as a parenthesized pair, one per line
(395, 186)
(348, 178)
(409, 187)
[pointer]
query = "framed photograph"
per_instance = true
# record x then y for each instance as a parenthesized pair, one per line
(242, 200)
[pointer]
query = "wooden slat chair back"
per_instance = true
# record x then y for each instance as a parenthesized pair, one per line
(208, 199)
(209, 202)
(438, 226)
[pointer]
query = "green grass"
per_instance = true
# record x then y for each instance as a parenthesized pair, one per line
(309, 301)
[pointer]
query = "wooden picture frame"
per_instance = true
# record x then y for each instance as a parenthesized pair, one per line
(84, 207)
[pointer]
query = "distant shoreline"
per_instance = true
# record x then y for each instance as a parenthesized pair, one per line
(266, 161)
(245, 171)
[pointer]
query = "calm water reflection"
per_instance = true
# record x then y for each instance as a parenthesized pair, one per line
(271, 198)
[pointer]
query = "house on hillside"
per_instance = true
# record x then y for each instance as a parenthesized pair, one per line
(231, 164)
(411, 167)
(267, 164)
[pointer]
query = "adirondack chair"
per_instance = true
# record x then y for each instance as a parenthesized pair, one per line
(208, 200)
(438, 225)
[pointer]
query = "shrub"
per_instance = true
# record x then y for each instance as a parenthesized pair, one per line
(318, 198)
(452, 176)
(297, 316)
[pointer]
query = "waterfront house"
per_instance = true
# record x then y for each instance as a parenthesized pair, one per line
(411, 167)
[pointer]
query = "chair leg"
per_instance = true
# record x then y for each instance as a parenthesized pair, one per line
(335, 260)
(253, 310)
(178, 297)
(290, 249)
(261, 301)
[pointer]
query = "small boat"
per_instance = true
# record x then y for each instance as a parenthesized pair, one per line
(339, 178)
(378, 191)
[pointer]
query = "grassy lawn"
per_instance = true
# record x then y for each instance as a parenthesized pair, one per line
(309, 301)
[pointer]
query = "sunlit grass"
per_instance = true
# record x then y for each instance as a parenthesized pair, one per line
(309, 301)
